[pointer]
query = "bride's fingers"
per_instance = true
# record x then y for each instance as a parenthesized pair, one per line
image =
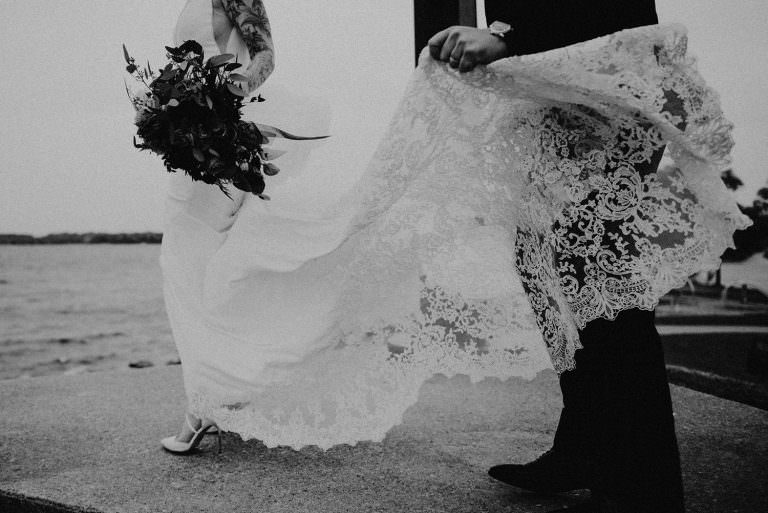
(436, 42)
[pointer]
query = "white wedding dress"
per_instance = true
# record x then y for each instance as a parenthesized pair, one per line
(422, 236)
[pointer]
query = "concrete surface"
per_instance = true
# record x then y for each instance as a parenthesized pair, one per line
(90, 443)
(730, 362)
(672, 329)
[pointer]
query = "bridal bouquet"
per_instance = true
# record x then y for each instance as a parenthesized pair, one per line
(189, 113)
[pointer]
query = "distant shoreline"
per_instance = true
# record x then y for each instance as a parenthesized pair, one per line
(16, 239)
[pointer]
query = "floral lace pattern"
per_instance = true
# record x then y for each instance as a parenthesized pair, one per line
(504, 209)
(571, 140)
(613, 232)
(361, 386)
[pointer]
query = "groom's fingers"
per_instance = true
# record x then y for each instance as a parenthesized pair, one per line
(467, 62)
(436, 43)
(456, 55)
(460, 47)
(448, 45)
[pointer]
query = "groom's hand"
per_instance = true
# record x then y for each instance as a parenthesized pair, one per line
(466, 47)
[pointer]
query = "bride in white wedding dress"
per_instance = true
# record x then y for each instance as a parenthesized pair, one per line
(417, 239)
(254, 289)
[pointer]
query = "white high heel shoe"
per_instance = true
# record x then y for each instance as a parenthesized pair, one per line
(173, 445)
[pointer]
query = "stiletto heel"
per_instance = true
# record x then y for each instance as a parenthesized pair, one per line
(173, 445)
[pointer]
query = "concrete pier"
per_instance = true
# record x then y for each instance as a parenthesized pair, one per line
(91, 443)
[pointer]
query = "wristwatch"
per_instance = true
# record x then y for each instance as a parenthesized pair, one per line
(500, 29)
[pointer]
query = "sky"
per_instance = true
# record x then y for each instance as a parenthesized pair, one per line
(66, 124)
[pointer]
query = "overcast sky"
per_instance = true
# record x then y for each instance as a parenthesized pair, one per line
(66, 125)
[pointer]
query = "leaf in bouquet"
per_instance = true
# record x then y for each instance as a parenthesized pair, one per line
(219, 60)
(199, 156)
(226, 172)
(271, 169)
(209, 179)
(224, 189)
(167, 73)
(256, 181)
(241, 183)
(266, 130)
(191, 46)
(162, 90)
(237, 77)
(236, 90)
(273, 154)
(214, 152)
(125, 54)
(209, 101)
(232, 66)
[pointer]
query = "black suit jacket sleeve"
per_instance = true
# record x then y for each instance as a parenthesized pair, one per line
(541, 25)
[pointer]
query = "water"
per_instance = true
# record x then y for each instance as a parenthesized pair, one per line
(78, 308)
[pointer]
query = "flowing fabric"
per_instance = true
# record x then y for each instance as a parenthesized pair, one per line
(555, 147)
(500, 211)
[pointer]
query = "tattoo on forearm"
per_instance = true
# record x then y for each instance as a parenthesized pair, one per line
(250, 17)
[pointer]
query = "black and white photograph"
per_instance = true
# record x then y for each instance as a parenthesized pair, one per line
(395, 256)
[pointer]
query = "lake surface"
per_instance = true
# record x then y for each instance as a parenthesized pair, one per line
(76, 308)
(80, 308)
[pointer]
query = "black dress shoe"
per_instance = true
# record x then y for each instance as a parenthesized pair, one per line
(584, 507)
(598, 503)
(552, 472)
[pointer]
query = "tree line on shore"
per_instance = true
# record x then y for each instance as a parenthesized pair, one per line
(747, 242)
(755, 238)
(83, 238)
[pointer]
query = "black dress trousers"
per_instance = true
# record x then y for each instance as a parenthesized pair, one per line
(617, 415)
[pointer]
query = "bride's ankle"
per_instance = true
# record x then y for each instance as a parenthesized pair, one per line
(192, 422)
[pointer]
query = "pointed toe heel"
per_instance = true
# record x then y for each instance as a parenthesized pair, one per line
(172, 444)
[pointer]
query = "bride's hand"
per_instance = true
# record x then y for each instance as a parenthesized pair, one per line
(466, 47)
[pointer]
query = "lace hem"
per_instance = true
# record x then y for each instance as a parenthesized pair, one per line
(599, 228)
(361, 386)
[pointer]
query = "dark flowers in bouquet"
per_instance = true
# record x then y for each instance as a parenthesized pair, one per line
(189, 113)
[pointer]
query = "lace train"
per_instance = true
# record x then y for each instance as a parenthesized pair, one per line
(503, 210)
(557, 148)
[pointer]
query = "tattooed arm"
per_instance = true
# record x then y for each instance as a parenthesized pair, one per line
(250, 18)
